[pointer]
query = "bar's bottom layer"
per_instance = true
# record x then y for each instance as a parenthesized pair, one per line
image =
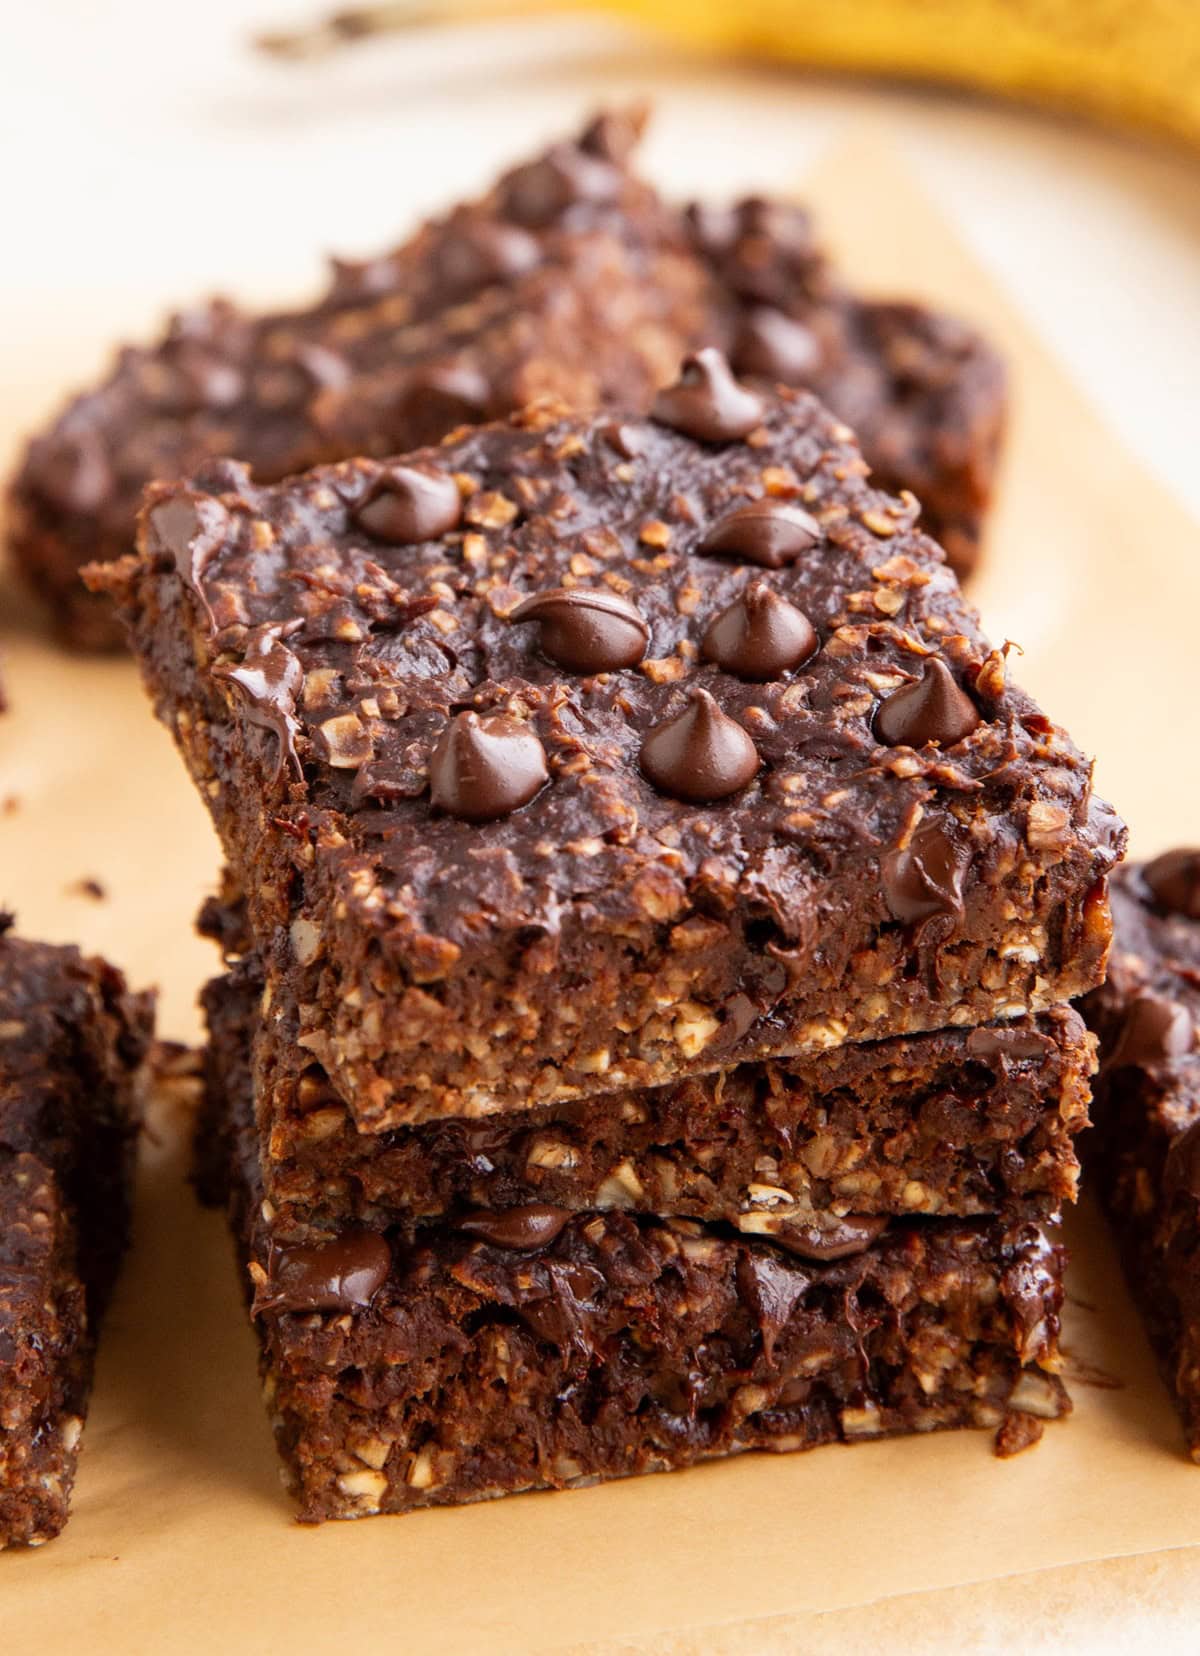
(461, 1370)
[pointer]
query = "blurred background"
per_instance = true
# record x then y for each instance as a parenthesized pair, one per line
(151, 155)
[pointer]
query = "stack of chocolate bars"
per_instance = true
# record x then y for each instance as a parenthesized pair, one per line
(650, 922)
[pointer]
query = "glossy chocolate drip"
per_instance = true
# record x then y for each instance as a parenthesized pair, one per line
(344, 1274)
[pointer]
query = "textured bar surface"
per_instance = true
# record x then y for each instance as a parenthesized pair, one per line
(72, 1041)
(956, 1123)
(569, 277)
(1143, 1156)
(608, 935)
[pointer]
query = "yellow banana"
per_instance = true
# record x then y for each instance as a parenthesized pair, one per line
(1131, 61)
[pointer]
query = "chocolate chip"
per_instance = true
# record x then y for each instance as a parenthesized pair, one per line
(533, 1226)
(342, 1275)
(405, 506)
(613, 135)
(775, 346)
(190, 530)
(541, 192)
(831, 1237)
(1181, 1174)
(712, 229)
(269, 680)
(933, 709)
(1155, 1031)
(760, 636)
(925, 877)
(701, 755)
(322, 368)
(1174, 879)
(628, 440)
(198, 380)
(72, 472)
(440, 396)
(480, 252)
(482, 769)
(354, 280)
(586, 632)
(706, 402)
(770, 533)
(1009, 1045)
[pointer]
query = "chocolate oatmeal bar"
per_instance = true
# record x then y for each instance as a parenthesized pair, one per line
(72, 1041)
(569, 277)
(579, 755)
(1143, 1157)
(543, 1349)
(815, 1153)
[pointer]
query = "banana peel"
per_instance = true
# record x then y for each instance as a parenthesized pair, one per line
(1130, 62)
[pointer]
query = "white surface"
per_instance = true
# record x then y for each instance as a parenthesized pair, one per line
(149, 155)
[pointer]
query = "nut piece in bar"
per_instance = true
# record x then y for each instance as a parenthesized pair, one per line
(716, 869)
(1143, 1156)
(72, 1042)
(569, 278)
(545, 1349)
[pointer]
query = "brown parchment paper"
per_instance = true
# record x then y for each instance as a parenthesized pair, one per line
(181, 1540)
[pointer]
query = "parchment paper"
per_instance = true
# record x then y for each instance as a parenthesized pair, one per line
(181, 1539)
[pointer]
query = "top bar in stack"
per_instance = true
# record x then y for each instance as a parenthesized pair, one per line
(580, 754)
(570, 277)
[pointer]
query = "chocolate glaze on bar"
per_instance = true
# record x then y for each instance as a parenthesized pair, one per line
(716, 870)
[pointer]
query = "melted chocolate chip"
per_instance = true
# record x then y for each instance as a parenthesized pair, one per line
(535, 1225)
(483, 768)
(189, 529)
(1174, 880)
(1009, 1045)
(760, 636)
(701, 755)
(706, 402)
(484, 251)
(539, 194)
(269, 679)
(924, 878)
(831, 1237)
(770, 533)
(405, 506)
(342, 1275)
(1155, 1031)
(586, 632)
(934, 709)
(776, 347)
(1181, 1175)
(773, 1289)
